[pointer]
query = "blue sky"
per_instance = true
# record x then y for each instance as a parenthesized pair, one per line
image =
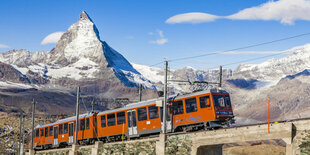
(146, 32)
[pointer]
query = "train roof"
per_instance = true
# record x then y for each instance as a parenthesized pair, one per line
(135, 105)
(65, 120)
(153, 101)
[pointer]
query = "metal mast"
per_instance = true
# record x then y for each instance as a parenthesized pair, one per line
(32, 129)
(77, 111)
(165, 99)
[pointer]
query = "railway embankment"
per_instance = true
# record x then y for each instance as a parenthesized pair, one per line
(296, 135)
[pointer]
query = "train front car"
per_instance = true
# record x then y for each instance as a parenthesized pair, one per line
(222, 107)
(201, 110)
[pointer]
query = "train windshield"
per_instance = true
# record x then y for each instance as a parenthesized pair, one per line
(221, 101)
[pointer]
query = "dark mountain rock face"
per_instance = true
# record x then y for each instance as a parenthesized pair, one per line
(9, 73)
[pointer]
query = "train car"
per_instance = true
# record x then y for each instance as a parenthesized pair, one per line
(130, 121)
(201, 110)
(61, 133)
(206, 109)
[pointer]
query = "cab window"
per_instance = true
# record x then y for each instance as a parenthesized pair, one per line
(111, 119)
(121, 118)
(153, 112)
(178, 107)
(219, 100)
(204, 102)
(227, 101)
(191, 105)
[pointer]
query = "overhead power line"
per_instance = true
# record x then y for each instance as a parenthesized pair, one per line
(240, 48)
(252, 59)
(234, 49)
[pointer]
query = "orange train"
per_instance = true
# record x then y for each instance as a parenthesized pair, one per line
(200, 110)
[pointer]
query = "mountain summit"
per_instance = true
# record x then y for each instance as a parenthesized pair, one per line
(80, 58)
(84, 16)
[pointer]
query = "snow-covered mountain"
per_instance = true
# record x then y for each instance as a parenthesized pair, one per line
(156, 76)
(275, 69)
(79, 55)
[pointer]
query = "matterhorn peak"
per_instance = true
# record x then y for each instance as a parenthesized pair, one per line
(84, 16)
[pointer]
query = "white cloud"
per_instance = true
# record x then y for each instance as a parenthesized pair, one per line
(192, 17)
(4, 46)
(162, 40)
(252, 52)
(285, 11)
(159, 41)
(52, 38)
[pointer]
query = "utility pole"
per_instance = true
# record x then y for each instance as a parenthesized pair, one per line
(23, 137)
(165, 99)
(220, 74)
(93, 106)
(140, 92)
(20, 133)
(77, 111)
(32, 129)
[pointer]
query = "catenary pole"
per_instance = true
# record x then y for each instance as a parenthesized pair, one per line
(220, 75)
(140, 92)
(93, 106)
(77, 111)
(20, 134)
(165, 99)
(32, 129)
(23, 137)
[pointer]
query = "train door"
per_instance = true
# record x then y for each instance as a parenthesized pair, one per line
(132, 122)
(168, 121)
(71, 133)
(56, 135)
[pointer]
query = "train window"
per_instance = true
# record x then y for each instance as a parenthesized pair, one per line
(204, 101)
(37, 133)
(111, 119)
(51, 131)
(66, 128)
(82, 124)
(191, 105)
(153, 112)
(60, 129)
(103, 121)
(178, 107)
(42, 132)
(46, 132)
(219, 101)
(87, 123)
(227, 101)
(142, 114)
(121, 118)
